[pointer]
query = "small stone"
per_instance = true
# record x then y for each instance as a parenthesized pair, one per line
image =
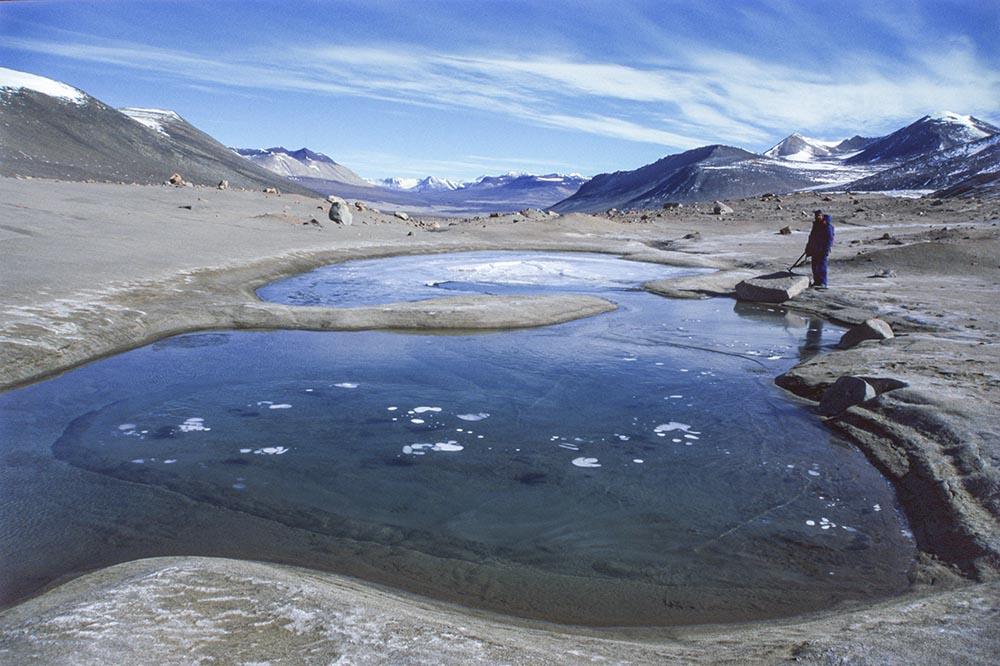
(845, 392)
(785, 231)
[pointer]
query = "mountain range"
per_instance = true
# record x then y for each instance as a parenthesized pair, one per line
(52, 130)
(952, 154)
(503, 193)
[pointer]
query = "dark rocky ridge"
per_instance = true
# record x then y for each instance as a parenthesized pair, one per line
(48, 137)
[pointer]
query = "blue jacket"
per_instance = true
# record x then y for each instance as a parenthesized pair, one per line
(820, 238)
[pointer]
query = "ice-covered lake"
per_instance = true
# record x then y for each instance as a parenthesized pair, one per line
(638, 467)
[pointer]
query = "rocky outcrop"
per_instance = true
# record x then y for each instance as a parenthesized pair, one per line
(773, 288)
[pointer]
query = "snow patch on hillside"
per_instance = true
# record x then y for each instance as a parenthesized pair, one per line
(15, 80)
(151, 118)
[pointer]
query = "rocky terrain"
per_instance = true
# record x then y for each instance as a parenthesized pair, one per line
(927, 267)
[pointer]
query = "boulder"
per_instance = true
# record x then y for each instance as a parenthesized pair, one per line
(271, 190)
(870, 329)
(785, 231)
(845, 392)
(223, 184)
(772, 288)
(722, 209)
(401, 215)
(340, 212)
(177, 180)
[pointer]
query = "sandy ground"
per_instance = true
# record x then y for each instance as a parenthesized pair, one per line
(90, 269)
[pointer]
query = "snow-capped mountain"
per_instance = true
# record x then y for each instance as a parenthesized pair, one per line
(701, 174)
(967, 169)
(802, 148)
(506, 193)
(926, 136)
(52, 130)
(428, 184)
(931, 153)
(302, 163)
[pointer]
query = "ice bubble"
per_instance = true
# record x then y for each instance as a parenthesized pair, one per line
(623, 438)
(421, 410)
(407, 449)
(773, 358)
(245, 450)
(811, 523)
(417, 421)
(271, 450)
(239, 486)
(264, 402)
(876, 508)
(638, 460)
(127, 426)
(139, 461)
(812, 472)
(473, 417)
(281, 406)
(571, 447)
(586, 462)
(691, 437)
(392, 409)
(675, 440)
(346, 385)
(170, 462)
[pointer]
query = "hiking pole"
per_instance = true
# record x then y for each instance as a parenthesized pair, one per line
(798, 262)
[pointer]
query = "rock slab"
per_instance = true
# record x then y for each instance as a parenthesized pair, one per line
(773, 288)
(870, 329)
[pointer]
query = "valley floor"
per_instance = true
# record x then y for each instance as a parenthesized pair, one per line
(92, 269)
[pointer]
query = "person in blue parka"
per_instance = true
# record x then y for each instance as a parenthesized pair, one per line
(819, 245)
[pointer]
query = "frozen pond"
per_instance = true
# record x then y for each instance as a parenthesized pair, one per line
(635, 468)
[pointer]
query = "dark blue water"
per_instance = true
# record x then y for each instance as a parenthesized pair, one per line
(632, 468)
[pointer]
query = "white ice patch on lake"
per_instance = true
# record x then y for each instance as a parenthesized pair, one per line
(281, 406)
(674, 425)
(423, 410)
(346, 385)
(193, 424)
(451, 446)
(586, 462)
(473, 417)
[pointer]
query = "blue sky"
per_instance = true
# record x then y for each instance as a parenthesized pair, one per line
(461, 88)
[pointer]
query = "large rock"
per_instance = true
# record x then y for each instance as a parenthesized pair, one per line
(845, 392)
(340, 212)
(772, 288)
(870, 329)
(721, 209)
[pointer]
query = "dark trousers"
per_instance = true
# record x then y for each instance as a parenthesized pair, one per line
(819, 270)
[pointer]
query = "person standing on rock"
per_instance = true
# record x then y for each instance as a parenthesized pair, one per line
(819, 245)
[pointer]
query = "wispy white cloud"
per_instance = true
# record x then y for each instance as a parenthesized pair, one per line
(704, 95)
